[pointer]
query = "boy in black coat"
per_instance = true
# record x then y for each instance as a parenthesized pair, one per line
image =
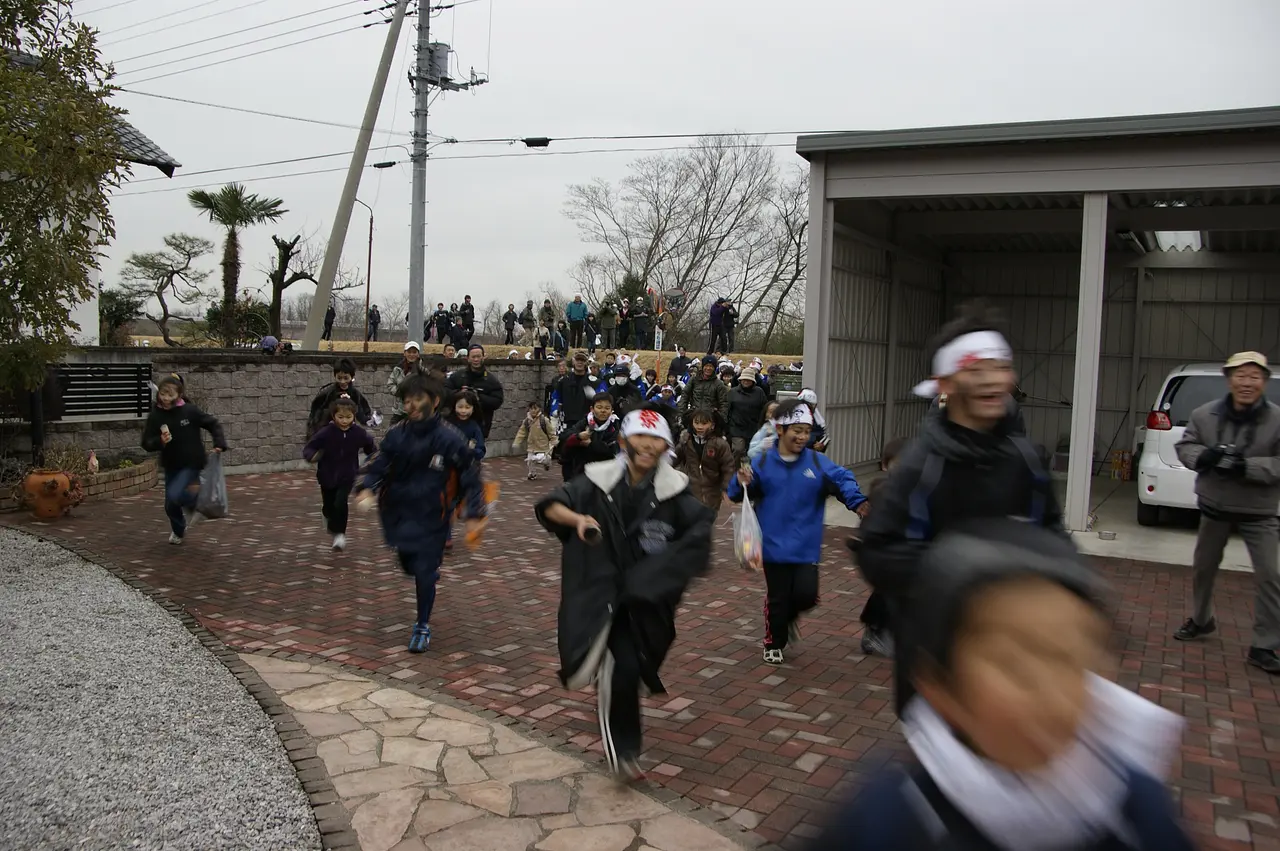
(344, 373)
(1019, 745)
(634, 537)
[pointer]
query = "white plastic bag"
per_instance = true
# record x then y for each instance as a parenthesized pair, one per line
(746, 537)
(212, 499)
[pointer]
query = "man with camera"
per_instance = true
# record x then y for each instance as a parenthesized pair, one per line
(1233, 444)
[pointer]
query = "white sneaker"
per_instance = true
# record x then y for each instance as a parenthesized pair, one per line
(773, 657)
(339, 543)
(174, 539)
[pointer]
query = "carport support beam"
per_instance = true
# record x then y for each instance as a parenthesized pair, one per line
(1084, 396)
(817, 319)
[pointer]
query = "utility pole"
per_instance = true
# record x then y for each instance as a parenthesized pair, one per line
(418, 210)
(342, 218)
(431, 69)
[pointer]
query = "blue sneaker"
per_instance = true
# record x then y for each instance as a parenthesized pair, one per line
(421, 638)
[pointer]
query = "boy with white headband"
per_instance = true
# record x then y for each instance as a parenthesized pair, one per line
(971, 461)
(788, 485)
(634, 537)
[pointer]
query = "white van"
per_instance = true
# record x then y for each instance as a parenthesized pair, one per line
(1162, 480)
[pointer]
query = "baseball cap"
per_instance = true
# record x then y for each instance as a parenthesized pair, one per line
(412, 345)
(1258, 359)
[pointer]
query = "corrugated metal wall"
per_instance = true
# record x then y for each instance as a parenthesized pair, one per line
(1188, 315)
(861, 345)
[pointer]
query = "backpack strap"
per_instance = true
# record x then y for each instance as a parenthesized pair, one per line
(919, 524)
(1040, 488)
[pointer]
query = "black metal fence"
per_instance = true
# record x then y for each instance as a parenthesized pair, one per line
(104, 390)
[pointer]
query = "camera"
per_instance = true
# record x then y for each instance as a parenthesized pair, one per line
(1229, 453)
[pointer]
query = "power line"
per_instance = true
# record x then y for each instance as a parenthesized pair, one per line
(523, 154)
(112, 6)
(174, 26)
(255, 53)
(235, 32)
(264, 113)
(264, 165)
(218, 50)
(256, 179)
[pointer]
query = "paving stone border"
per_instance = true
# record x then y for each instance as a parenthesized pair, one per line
(332, 819)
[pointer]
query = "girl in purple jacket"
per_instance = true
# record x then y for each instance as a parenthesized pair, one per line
(335, 450)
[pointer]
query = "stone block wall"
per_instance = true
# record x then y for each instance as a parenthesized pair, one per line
(262, 402)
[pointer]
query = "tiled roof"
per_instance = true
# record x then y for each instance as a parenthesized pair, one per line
(135, 146)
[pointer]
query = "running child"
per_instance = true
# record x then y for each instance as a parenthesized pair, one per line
(344, 373)
(876, 637)
(593, 439)
(788, 486)
(465, 403)
(537, 435)
(173, 429)
(634, 537)
(409, 478)
(335, 450)
(706, 458)
(1019, 745)
(763, 439)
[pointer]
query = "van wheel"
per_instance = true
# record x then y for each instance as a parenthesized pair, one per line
(1148, 515)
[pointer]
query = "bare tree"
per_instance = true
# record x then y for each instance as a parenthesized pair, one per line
(677, 221)
(170, 279)
(395, 313)
(771, 262)
(491, 319)
(299, 259)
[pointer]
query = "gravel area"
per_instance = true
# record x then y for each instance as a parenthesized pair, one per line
(119, 730)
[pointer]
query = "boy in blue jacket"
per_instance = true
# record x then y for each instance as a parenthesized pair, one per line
(788, 485)
(413, 475)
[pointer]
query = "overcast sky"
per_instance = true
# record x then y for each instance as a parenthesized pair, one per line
(604, 68)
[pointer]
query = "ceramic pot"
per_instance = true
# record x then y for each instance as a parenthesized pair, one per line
(51, 493)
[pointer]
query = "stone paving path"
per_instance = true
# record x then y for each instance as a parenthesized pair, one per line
(414, 774)
(772, 750)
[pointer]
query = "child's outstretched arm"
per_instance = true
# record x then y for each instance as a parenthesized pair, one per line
(210, 423)
(843, 485)
(313, 447)
(151, 433)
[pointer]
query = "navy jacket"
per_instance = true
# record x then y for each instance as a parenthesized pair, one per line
(422, 468)
(790, 500)
(339, 453)
(891, 815)
(474, 434)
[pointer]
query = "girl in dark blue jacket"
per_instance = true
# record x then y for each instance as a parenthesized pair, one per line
(788, 486)
(335, 450)
(422, 468)
(1018, 745)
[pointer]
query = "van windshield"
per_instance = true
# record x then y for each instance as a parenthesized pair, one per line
(1188, 392)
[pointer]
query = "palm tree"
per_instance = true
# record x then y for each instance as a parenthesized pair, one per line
(234, 208)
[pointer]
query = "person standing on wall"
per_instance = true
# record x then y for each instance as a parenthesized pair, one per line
(624, 322)
(576, 314)
(375, 319)
(509, 321)
(330, 315)
(608, 315)
(483, 383)
(642, 322)
(529, 322)
(729, 320)
(468, 314)
(443, 322)
(716, 338)
(1233, 444)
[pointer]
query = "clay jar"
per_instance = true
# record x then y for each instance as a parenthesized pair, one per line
(51, 493)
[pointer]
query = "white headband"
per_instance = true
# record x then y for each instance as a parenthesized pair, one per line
(647, 422)
(800, 416)
(962, 352)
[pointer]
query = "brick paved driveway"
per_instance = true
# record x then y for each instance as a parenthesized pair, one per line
(768, 748)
